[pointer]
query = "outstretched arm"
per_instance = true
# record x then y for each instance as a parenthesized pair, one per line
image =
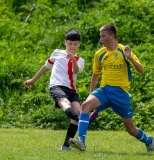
(30, 83)
(138, 67)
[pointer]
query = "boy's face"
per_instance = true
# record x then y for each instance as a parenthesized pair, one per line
(72, 46)
(106, 38)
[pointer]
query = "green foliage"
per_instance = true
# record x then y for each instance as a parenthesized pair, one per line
(25, 46)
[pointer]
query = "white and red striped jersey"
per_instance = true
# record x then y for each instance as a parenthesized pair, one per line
(62, 69)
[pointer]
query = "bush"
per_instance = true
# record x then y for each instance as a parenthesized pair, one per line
(25, 46)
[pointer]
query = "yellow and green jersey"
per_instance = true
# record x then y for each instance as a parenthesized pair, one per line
(115, 67)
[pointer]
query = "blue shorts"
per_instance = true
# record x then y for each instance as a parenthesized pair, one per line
(116, 98)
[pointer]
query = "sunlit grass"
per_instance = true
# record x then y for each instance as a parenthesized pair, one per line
(35, 144)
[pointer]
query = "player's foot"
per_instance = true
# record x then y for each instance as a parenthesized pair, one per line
(93, 116)
(76, 143)
(65, 148)
(151, 146)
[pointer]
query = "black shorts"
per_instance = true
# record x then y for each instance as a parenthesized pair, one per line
(58, 92)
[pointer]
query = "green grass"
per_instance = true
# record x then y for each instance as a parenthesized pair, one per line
(33, 144)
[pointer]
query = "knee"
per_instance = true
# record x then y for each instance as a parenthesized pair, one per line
(85, 107)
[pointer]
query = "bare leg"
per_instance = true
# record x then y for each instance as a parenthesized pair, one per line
(138, 133)
(130, 127)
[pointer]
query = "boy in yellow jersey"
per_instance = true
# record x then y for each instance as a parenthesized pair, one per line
(113, 61)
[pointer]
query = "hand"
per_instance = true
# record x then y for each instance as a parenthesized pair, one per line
(127, 51)
(29, 83)
(71, 56)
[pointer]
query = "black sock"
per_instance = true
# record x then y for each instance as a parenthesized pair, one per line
(71, 113)
(71, 131)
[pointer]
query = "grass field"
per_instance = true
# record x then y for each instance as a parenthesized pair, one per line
(33, 144)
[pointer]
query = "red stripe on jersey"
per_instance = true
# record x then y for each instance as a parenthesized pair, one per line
(70, 73)
(49, 61)
(77, 58)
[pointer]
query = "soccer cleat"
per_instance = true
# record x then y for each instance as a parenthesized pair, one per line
(76, 143)
(151, 146)
(93, 116)
(65, 148)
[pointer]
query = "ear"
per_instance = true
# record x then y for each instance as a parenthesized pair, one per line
(112, 36)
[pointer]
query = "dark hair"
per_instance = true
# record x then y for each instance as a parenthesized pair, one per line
(73, 35)
(110, 29)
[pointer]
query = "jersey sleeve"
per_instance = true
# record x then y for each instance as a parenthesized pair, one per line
(96, 65)
(50, 61)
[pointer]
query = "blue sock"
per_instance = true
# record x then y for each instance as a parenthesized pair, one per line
(83, 126)
(143, 137)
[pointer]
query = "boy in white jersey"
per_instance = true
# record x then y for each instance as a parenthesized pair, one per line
(65, 65)
(113, 61)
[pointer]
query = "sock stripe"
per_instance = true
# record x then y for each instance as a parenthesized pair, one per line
(83, 121)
